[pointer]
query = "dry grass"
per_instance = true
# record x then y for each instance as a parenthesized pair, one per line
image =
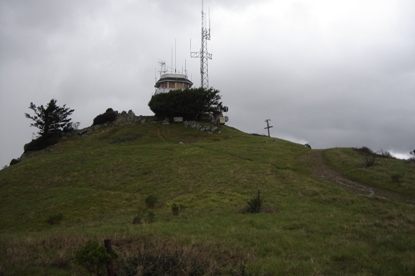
(53, 250)
(136, 256)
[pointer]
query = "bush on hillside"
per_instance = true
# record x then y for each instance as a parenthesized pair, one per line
(412, 153)
(384, 154)
(14, 161)
(255, 204)
(143, 217)
(109, 116)
(41, 142)
(368, 151)
(191, 104)
(369, 159)
(370, 156)
(151, 201)
(396, 178)
(55, 219)
(364, 150)
(93, 257)
(176, 209)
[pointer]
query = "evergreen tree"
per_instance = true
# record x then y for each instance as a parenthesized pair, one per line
(52, 119)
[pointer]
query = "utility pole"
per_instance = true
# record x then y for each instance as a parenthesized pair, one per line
(268, 126)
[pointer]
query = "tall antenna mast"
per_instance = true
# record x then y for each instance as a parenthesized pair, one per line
(204, 55)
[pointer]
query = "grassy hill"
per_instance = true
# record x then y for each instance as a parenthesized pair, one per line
(94, 186)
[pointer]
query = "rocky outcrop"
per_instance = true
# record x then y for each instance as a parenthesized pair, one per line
(127, 118)
(195, 124)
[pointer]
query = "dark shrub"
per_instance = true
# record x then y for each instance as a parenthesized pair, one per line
(41, 143)
(109, 116)
(412, 153)
(370, 160)
(190, 104)
(151, 217)
(396, 178)
(176, 209)
(93, 257)
(138, 218)
(255, 204)
(368, 155)
(55, 219)
(385, 154)
(144, 217)
(14, 161)
(364, 150)
(151, 201)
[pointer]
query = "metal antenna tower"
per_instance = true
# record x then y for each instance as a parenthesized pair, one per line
(203, 54)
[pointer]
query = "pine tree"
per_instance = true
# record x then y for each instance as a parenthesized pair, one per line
(52, 119)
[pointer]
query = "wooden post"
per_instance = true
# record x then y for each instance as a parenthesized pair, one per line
(268, 126)
(259, 202)
(110, 264)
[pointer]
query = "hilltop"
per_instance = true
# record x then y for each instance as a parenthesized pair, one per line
(324, 212)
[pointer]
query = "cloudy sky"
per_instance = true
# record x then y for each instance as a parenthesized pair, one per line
(331, 73)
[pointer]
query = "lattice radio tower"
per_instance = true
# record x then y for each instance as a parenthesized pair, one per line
(204, 55)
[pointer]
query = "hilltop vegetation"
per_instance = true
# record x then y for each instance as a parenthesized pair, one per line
(95, 186)
(190, 103)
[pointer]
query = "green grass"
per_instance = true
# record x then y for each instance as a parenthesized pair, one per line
(351, 164)
(99, 182)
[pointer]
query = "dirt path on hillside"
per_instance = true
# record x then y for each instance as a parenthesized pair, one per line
(314, 161)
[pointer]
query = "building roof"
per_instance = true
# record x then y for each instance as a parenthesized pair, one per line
(173, 78)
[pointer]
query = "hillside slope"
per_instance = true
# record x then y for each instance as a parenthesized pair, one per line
(97, 184)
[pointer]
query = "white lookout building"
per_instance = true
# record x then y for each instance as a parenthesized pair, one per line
(171, 81)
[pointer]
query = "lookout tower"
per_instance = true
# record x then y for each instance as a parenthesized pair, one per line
(171, 81)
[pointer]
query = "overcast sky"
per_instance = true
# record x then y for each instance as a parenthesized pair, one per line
(331, 73)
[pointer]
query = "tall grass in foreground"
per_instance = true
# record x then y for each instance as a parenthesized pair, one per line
(146, 255)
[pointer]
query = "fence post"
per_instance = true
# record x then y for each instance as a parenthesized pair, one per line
(259, 202)
(110, 264)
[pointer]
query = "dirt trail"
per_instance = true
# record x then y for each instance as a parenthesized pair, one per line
(314, 160)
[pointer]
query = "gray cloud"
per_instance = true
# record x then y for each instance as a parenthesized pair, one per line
(328, 73)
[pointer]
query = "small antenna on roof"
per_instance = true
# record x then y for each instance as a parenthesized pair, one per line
(209, 18)
(163, 69)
